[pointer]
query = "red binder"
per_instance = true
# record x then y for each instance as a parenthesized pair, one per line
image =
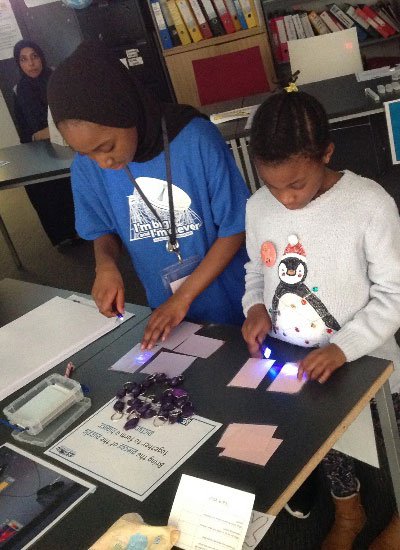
(201, 20)
(224, 15)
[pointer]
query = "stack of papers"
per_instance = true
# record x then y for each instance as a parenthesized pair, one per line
(249, 443)
(46, 336)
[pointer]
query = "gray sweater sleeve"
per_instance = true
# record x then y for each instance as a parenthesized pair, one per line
(380, 318)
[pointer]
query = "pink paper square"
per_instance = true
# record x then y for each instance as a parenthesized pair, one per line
(253, 455)
(251, 374)
(173, 364)
(238, 436)
(179, 334)
(199, 346)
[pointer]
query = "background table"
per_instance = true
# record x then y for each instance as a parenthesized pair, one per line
(31, 163)
(309, 423)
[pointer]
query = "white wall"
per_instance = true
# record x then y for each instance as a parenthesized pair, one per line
(8, 133)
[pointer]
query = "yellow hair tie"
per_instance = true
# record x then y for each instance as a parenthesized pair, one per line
(291, 88)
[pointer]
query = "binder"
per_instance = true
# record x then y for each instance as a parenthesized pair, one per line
(371, 28)
(384, 28)
(381, 31)
(161, 25)
(305, 22)
(240, 14)
(317, 23)
(333, 25)
(224, 15)
(347, 22)
(249, 12)
(170, 23)
(388, 18)
(363, 23)
(276, 49)
(212, 17)
(233, 13)
(298, 26)
(190, 20)
(289, 26)
(282, 36)
(179, 24)
(201, 19)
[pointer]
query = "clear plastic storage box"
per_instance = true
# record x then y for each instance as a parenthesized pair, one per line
(47, 409)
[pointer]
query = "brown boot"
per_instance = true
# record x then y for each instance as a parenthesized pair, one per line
(389, 539)
(349, 521)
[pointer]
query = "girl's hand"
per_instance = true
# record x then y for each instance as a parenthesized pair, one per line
(319, 364)
(108, 291)
(163, 320)
(255, 328)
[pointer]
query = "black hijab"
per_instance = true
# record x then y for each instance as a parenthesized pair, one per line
(93, 85)
(32, 92)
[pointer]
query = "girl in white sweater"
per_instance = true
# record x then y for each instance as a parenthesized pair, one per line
(324, 269)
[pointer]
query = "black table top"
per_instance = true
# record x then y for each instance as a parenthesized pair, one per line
(305, 421)
(33, 162)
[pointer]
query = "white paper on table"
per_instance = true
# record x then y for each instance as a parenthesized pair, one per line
(39, 340)
(91, 303)
(210, 515)
(359, 440)
(102, 449)
(258, 527)
(135, 359)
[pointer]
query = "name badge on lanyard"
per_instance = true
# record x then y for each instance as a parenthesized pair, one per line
(175, 275)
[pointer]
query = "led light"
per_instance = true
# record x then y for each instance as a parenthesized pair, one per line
(267, 353)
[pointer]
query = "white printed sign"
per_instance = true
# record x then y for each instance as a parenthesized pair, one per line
(102, 449)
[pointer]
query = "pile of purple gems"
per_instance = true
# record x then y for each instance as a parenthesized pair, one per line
(144, 400)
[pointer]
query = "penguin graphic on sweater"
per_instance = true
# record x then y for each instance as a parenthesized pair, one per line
(298, 315)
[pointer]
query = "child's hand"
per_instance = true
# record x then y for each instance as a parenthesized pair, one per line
(163, 319)
(319, 364)
(255, 328)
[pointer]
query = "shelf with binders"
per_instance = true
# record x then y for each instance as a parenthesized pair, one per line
(215, 41)
(377, 24)
(184, 23)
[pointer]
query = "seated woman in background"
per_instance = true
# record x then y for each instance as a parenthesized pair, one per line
(52, 200)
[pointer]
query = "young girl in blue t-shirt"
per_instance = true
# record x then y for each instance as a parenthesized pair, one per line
(324, 269)
(122, 194)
